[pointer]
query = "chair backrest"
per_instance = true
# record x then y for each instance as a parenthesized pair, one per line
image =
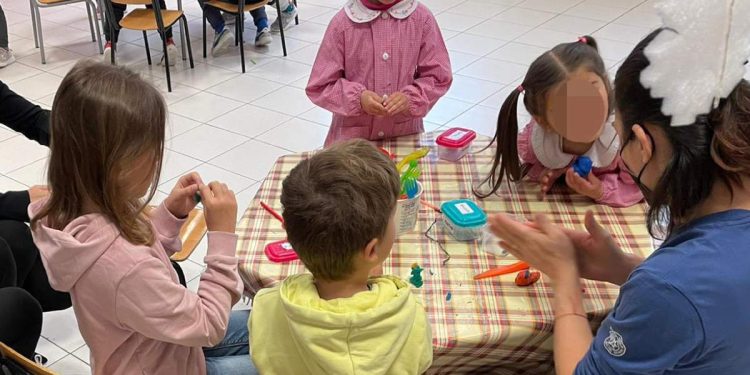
(24, 362)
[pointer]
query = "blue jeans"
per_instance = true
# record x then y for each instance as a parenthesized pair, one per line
(232, 355)
(213, 15)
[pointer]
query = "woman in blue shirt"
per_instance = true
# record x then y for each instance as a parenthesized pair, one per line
(685, 309)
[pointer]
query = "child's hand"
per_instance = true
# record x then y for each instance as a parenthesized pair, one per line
(38, 192)
(182, 198)
(396, 103)
(590, 187)
(547, 181)
(221, 207)
(372, 104)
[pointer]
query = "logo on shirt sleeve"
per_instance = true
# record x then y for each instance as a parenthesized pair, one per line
(614, 344)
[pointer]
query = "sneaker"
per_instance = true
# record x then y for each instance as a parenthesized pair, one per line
(6, 57)
(108, 53)
(172, 53)
(263, 38)
(40, 359)
(222, 40)
(287, 16)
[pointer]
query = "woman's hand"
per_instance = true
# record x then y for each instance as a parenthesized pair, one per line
(221, 207)
(182, 198)
(590, 186)
(542, 244)
(598, 256)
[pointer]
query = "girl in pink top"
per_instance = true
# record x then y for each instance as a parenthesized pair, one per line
(567, 93)
(98, 243)
(381, 67)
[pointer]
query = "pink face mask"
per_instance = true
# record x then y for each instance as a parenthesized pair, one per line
(577, 110)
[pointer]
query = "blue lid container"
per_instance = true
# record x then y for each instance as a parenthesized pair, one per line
(464, 219)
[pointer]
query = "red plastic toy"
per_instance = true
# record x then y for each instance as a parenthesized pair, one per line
(527, 278)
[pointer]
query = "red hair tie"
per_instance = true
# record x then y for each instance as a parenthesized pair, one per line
(519, 88)
(583, 40)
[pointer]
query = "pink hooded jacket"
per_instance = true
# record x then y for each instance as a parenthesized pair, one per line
(132, 312)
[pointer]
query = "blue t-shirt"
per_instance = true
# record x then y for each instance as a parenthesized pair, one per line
(685, 309)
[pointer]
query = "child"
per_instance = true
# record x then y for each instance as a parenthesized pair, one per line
(381, 67)
(119, 13)
(223, 37)
(97, 243)
(6, 55)
(339, 209)
(567, 93)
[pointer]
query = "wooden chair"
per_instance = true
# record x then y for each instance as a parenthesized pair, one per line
(155, 19)
(36, 21)
(239, 10)
(30, 366)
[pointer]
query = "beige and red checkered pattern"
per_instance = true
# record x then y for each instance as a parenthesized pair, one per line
(488, 326)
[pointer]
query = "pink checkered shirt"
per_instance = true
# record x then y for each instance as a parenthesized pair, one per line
(384, 55)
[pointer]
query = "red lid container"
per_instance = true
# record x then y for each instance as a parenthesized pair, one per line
(456, 138)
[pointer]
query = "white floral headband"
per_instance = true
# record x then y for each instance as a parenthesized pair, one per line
(700, 58)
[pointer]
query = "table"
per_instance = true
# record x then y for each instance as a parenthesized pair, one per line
(489, 325)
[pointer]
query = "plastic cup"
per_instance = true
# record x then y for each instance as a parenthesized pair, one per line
(407, 212)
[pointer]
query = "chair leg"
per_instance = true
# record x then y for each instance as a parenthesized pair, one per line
(296, 18)
(114, 51)
(183, 40)
(166, 61)
(91, 24)
(33, 23)
(189, 46)
(148, 50)
(204, 35)
(39, 31)
(237, 31)
(241, 19)
(281, 28)
(96, 27)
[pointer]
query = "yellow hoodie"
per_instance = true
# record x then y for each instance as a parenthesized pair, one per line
(381, 331)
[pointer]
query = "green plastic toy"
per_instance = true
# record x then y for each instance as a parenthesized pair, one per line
(416, 275)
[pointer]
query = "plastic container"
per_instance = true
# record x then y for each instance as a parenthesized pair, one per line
(454, 143)
(407, 211)
(463, 219)
(280, 252)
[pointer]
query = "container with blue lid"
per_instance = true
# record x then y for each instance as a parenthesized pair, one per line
(463, 219)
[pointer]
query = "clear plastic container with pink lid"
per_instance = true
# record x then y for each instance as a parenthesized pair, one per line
(454, 143)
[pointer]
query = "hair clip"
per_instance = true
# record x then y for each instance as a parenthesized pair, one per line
(583, 40)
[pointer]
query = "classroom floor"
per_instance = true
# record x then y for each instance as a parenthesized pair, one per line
(231, 127)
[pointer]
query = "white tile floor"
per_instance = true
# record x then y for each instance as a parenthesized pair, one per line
(232, 127)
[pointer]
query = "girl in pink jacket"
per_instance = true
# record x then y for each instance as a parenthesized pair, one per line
(381, 67)
(567, 93)
(98, 243)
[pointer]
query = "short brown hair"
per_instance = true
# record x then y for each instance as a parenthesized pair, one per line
(104, 120)
(336, 202)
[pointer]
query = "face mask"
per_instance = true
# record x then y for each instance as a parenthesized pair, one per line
(645, 190)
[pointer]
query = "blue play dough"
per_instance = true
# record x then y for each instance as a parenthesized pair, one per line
(582, 166)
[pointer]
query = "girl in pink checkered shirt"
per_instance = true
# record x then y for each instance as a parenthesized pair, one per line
(381, 67)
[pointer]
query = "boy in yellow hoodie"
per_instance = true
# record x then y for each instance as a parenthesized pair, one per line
(339, 209)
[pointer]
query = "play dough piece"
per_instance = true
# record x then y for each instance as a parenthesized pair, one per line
(582, 166)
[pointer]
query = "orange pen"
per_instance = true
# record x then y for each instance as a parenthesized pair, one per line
(503, 270)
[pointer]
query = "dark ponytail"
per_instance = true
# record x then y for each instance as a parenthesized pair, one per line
(506, 157)
(714, 148)
(546, 72)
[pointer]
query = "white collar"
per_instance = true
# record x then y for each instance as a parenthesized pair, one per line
(546, 146)
(359, 13)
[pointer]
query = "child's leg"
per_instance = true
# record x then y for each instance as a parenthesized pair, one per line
(232, 355)
(214, 17)
(20, 320)
(119, 10)
(260, 18)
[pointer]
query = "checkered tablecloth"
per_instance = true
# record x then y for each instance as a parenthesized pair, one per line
(488, 326)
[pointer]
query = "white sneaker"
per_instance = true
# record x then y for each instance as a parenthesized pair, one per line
(287, 16)
(222, 41)
(263, 38)
(6, 57)
(107, 58)
(172, 53)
